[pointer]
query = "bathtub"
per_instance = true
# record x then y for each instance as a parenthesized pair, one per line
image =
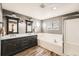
(52, 42)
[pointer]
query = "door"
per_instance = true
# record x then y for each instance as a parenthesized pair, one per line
(71, 37)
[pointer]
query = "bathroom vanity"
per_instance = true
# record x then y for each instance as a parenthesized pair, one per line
(12, 44)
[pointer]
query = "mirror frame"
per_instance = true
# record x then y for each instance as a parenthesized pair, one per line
(27, 25)
(7, 24)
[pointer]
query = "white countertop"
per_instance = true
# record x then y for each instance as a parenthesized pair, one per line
(16, 36)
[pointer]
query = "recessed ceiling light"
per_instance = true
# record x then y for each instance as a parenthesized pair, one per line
(54, 8)
(42, 5)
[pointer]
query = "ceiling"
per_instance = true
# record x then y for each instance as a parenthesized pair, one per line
(34, 10)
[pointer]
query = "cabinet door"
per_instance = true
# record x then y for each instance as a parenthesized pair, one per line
(8, 47)
(24, 42)
(18, 44)
(33, 40)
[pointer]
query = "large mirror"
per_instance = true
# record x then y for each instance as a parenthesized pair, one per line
(28, 26)
(12, 25)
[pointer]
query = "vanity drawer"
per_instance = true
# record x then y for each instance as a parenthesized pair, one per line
(9, 40)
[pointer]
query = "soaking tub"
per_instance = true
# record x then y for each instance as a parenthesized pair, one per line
(52, 42)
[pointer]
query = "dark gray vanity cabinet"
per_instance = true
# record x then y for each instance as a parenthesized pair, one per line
(8, 47)
(15, 45)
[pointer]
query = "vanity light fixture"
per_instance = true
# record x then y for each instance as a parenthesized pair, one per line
(13, 15)
(21, 21)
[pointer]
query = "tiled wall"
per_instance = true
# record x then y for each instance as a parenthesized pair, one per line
(36, 25)
(48, 25)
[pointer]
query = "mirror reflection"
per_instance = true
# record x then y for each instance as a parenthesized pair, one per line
(12, 25)
(28, 26)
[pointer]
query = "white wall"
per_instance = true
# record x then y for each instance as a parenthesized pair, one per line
(22, 28)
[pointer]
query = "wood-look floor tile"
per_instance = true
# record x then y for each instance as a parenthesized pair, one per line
(35, 51)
